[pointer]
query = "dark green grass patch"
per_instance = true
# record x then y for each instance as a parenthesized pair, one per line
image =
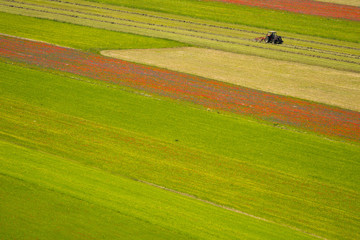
(76, 36)
(252, 16)
(294, 178)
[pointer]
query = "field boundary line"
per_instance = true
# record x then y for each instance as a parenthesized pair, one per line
(229, 208)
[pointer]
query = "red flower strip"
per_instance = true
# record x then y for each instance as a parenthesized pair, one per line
(211, 94)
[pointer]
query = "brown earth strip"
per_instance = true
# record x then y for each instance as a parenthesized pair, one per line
(209, 93)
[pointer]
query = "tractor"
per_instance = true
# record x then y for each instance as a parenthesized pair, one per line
(272, 37)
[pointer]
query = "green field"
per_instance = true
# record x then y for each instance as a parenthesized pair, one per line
(76, 154)
(123, 133)
(44, 196)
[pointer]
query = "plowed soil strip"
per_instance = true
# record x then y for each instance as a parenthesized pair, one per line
(211, 94)
(310, 7)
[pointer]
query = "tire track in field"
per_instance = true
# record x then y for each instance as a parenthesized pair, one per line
(229, 208)
(187, 35)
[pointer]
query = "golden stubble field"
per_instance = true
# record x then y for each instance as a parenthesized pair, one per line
(319, 84)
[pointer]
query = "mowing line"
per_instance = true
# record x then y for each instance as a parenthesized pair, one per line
(230, 209)
(173, 32)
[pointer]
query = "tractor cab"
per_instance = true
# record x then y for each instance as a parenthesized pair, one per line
(270, 36)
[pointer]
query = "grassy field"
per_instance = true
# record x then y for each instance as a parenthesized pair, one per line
(46, 196)
(72, 148)
(123, 133)
(193, 31)
(317, 84)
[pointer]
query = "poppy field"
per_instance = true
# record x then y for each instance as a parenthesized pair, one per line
(93, 147)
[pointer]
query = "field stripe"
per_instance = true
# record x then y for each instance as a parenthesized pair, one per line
(229, 208)
(211, 94)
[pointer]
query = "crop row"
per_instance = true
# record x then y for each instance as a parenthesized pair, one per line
(211, 94)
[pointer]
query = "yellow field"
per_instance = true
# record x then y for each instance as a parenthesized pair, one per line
(324, 85)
